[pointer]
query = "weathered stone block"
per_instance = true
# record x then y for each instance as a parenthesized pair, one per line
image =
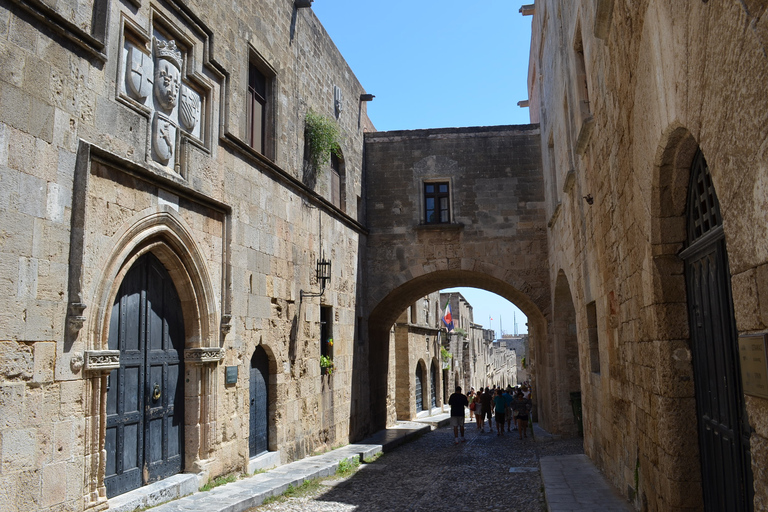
(44, 361)
(19, 449)
(16, 361)
(54, 488)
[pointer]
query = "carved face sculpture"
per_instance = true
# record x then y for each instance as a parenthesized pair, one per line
(167, 82)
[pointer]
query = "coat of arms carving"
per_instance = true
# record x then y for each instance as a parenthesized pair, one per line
(155, 81)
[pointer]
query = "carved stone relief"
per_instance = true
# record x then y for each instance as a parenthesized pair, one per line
(155, 81)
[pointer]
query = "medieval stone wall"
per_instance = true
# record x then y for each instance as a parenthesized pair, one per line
(99, 164)
(625, 94)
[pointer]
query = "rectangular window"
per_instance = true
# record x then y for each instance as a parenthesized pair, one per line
(594, 345)
(257, 108)
(326, 339)
(337, 182)
(436, 203)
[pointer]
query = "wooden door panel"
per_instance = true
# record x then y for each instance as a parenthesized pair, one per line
(147, 327)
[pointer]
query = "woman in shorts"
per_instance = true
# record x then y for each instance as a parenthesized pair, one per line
(478, 410)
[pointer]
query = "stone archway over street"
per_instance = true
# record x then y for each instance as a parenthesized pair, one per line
(447, 208)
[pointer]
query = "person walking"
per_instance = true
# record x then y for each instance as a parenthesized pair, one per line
(478, 409)
(458, 401)
(487, 401)
(508, 413)
(522, 407)
(500, 406)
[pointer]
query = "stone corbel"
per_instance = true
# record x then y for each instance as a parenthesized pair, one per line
(75, 318)
(102, 360)
(201, 356)
(226, 324)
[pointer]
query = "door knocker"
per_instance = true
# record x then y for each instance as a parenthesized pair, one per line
(156, 392)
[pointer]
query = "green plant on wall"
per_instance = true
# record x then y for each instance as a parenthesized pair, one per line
(445, 355)
(321, 134)
(326, 363)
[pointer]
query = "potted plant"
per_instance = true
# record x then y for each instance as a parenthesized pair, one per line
(446, 357)
(326, 364)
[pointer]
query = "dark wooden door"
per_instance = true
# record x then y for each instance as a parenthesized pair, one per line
(144, 436)
(723, 433)
(259, 415)
(419, 390)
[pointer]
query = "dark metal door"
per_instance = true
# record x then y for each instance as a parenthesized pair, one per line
(144, 436)
(419, 395)
(259, 428)
(433, 385)
(723, 440)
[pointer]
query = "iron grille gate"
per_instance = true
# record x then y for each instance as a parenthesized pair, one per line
(433, 385)
(419, 395)
(723, 439)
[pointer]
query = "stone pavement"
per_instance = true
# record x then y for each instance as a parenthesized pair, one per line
(573, 483)
(485, 473)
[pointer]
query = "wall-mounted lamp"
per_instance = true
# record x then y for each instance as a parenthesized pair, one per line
(589, 199)
(367, 97)
(303, 4)
(323, 274)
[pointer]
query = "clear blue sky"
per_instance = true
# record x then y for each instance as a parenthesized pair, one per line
(434, 65)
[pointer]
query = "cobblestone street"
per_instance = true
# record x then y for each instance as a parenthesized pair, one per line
(486, 473)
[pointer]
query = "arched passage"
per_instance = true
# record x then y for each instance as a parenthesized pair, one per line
(388, 310)
(562, 382)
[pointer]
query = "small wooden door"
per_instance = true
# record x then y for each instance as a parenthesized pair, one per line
(259, 402)
(145, 417)
(419, 389)
(723, 433)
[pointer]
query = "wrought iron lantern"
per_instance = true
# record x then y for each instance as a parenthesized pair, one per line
(323, 274)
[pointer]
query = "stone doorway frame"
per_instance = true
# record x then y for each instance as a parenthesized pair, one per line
(166, 235)
(665, 316)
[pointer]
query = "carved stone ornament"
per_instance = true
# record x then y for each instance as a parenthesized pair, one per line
(138, 78)
(226, 324)
(102, 360)
(189, 108)
(76, 363)
(163, 138)
(167, 74)
(210, 355)
(75, 318)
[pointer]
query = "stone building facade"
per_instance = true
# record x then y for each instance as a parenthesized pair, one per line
(161, 234)
(166, 240)
(653, 125)
(417, 379)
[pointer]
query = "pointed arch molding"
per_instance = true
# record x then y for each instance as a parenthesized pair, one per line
(97, 269)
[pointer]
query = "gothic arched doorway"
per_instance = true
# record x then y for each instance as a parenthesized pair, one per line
(723, 431)
(258, 441)
(145, 416)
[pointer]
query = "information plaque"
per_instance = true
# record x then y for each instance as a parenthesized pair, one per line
(754, 369)
(231, 375)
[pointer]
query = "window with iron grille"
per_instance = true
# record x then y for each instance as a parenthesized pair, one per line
(437, 203)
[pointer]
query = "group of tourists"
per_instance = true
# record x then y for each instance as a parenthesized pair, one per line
(505, 404)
